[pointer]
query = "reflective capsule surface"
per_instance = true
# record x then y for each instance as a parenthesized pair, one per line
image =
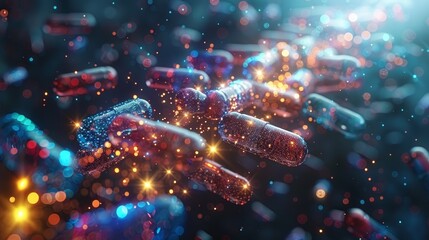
(177, 78)
(263, 139)
(97, 160)
(419, 164)
(190, 100)
(85, 81)
(140, 135)
(332, 68)
(69, 23)
(330, 115)
(217, 63)
(262, 65)
(92, 131)
(227, 184)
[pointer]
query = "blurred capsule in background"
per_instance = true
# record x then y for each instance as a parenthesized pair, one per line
(361, 225)
(419, 164)
(298, 234)
(177, 78)
(85, 81)
(229, 185)
(261, 66)
(330, 115)
(190, 100)
(241, 52)
(263, 211)
(92, 131)
(216, 63)
(263, 139)
(161, 219)
(303, 81)
(28, 152)
(186, 35)
(69, 24)
(13, 77)
(144, 137)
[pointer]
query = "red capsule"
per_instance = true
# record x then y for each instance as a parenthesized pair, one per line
(69, 23)
(85, 81)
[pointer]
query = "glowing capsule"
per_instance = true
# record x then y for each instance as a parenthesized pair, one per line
(283, 103)
(334, 68)
(227, 184)
(302, 81)
(262, 65)
(92, 130)
(215, 63)
(177, 78)
(241, 52)
(361, 225)
(330, 115)
(140, 135)
(85, 81)
(419, 164)
(25, 149)
(263, 139)
(69, 24)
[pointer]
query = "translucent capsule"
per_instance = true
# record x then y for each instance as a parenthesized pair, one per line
(27, 151)
(85, 81)
(69, 24)
(96, 161)
(419, 164)
(227, 184)
(215, 63)
(332, 116)
(15, 76)
(241, 52)
(177, 78)
(333, 68)
(262, 65)
(140, 135)
(160, 219)
(283, 103)
(191, 100)
(92, 131)
(263, 139)
(361, 225)
(303, 81)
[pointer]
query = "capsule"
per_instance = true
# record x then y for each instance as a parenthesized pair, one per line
(271, 38)
(140, 135)
(334, 68)
(85, 81)
(330, 115)
(219, 180)
(69, 24)
(191, 100)
(177, 78)
(262, 65)
(92, 131)
(283, 103)
(217, 63)
(15, 76)
(25, 149)
(303, 81)
(419, 164)
(241, 52)
(97, 160)
(363, 226)
(263, 139)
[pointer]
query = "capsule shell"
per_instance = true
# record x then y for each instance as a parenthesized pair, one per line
(332, 68)
(190, 100)
(97, 160)
(227, 184)
(217, 63)
(263, 139)
(332, 116)
(85, 81)
(92, 131)
(261, 65)
(177, 78)
(140, 135)
(69, 24)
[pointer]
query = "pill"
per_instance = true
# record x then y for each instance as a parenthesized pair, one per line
(97, 160)
(263, 139)
(177, 78)
(303, 81)
(217, 63)
(337, 68)
(140, 135)
(85, 81)
(69, 23)
(227, 184)
(241, 52)
(330, 115)
(262, 65)
(361, 225)
(92, 131)
(419, 164)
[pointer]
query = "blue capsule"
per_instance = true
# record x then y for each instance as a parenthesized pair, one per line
(176, 78)
(332, 116)
(217, 63)
(92, 131)
(262, 65)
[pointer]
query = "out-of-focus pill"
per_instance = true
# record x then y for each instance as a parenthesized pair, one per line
(330, 115)
(97, 160)
(361, 225)
(283, 103)
(336, 68)
(140, 135)
(27, 151)
(85, 81)
(227, 184)
(217, 63)
(69, 23)
(302, 81)
(298, 234)
(92, 130)
(262, 65)
(186, 35)
(263, 139)
(241, 52)
(419, 164)
(15, 75)
(177, 78)
(263, 211)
